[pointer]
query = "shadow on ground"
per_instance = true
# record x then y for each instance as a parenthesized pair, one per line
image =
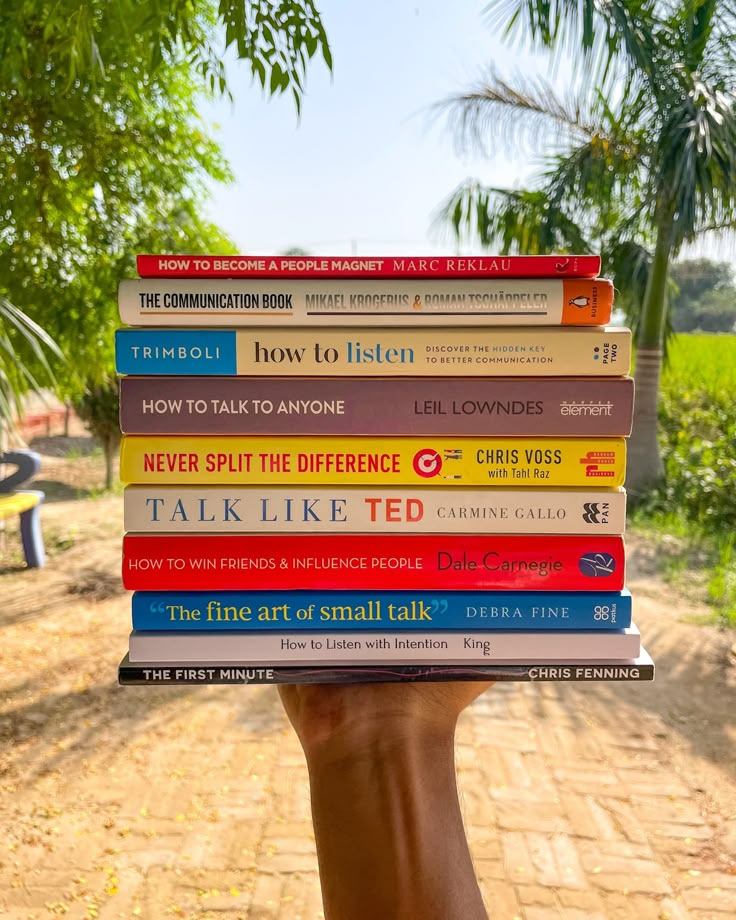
(59, 731)
(694, 692)
(60, 446)
(59, 491)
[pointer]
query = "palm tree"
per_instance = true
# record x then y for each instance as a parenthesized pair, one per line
(17, 377)
(642, 157)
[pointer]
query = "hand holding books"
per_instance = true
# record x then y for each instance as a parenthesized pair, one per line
(333, 719)
(387, 822)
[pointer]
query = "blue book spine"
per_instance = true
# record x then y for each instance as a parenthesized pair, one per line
(176, 351)
(385, 610)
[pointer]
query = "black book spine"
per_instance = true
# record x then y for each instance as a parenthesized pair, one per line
(130, 674)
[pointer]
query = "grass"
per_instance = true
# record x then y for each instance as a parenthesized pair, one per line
(692, 518)
(693, 560)
(702, 362)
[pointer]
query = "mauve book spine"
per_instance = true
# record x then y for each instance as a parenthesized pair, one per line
(551, 407)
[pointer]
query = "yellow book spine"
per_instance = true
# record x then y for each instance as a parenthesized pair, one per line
(598, 462)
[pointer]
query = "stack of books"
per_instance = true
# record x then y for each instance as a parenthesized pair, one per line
(375, 469)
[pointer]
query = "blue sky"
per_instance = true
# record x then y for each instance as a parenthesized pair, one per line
(366, 167)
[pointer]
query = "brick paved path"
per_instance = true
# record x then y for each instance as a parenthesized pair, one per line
(192, 802)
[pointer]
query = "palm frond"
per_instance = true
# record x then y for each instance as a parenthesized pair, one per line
(511, 221)
(707, 35)
(627, 263)
(600, 181)
(696, 160)
(545, 22)
(17, 376)
(593, 35)
(495, 111)
(697, 27)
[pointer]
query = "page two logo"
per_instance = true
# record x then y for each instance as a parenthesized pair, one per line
(427, 463)
(597, 565)
(595, 459)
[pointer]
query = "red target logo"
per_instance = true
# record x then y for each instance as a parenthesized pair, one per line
(427, 463)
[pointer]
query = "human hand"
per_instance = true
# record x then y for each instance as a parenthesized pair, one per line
(387, 822)
(334, 720)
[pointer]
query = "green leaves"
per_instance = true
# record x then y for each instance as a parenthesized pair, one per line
(277, 38)
(84, 40)
(99, 407)
(94, 169)
(104, 154)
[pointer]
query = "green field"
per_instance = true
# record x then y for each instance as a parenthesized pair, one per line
(697, 417)
(697, 503)
(702, 364)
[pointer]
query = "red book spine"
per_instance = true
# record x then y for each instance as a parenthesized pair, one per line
(326, 267)
(358, 561)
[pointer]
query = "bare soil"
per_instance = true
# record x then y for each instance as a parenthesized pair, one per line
(64, 629)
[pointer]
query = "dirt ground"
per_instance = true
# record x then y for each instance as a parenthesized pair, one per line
(66, 725)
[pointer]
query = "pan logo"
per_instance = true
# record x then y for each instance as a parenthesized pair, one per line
(595, 513)
(597, 565)
(427, 463)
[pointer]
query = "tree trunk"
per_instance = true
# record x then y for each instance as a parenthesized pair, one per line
(645, 467)
(109, 448)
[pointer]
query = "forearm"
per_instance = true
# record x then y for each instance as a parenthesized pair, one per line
(389, 832)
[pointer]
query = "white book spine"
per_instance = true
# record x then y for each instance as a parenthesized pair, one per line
(424, 302)
(212, 509)
(382, 648)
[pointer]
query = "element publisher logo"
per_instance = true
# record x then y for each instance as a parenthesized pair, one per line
(597, 565)
(427, 463)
